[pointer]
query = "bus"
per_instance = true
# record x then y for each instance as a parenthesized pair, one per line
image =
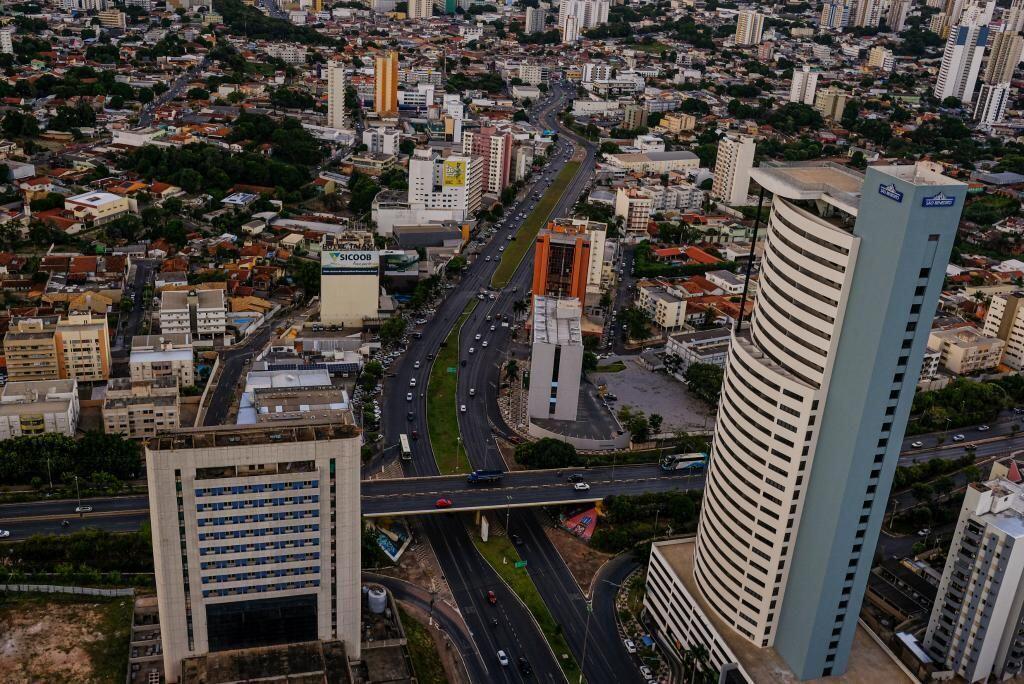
(695, 462)
(406, 451)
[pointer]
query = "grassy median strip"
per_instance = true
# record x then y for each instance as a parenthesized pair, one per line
(442, 413)
(502, 556)
(426, 662)
(517, 249)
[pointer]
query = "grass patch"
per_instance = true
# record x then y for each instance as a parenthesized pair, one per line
(538, 218)
(499, 549)
(613, 367)
(426, 662)
(442, 416)
(110, 654)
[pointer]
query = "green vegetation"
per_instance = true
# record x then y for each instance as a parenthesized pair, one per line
(962, 402)
(247, 21)
(907, 476)
(613, 367)
(289, 141)
(442, 412)
(990, 209)
(537, 219)
(499, 552)
(35, 460)
(705, 381)
(646, 267)
(548, 453)
(426, 663)
(90, 557)
(628, 520)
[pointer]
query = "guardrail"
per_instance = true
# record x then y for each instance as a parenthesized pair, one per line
(57, 589)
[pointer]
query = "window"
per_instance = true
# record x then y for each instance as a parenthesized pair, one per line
(925, 272)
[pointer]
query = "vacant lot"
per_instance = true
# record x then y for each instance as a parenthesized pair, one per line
(57, 639)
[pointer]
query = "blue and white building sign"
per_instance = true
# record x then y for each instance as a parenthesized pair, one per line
(938, 200)
(890, 191)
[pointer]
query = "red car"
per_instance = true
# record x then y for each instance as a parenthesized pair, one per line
(492, 598)
(443, 503)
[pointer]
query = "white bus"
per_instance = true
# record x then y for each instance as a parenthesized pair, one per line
(406, 451)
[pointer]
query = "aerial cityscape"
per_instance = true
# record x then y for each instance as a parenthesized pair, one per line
(380, 341)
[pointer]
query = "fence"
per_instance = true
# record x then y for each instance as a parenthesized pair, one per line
(55, 589)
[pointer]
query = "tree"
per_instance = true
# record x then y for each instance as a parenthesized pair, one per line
(655, 422)
(512, 369)
(635, 322)
(589, 361)
(705, 381)
(639, 428)
(547, 453)
(392, 330)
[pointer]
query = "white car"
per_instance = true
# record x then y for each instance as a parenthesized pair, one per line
(917, 445)
(472, 392)
(502, 248)
(4, 534)
(412, 382)
(958, 438)
(416, 365)
(472, 349)
(462, 408)
(487, 258)
(502, 659)
(983, 428)
(83, 509)
(630, 646)
(408, 396)
(477, 337)
(484, 343)
(646, 673)
(493, 328)
(582, 487)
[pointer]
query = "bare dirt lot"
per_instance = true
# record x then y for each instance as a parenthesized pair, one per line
(58, 639)
(583, 561)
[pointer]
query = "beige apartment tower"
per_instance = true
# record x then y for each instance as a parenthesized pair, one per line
(385, 84)
(256, 536)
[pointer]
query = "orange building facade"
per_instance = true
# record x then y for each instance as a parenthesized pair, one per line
(561, 260)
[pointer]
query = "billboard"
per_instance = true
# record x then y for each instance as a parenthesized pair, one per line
(349, 263)
(454, 174)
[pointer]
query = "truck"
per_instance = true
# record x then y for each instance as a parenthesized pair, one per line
(484, 476)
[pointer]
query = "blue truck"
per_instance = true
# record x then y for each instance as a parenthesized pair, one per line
(485, 476)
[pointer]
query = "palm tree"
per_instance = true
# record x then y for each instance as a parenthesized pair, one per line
(512, 369)
(519, 306)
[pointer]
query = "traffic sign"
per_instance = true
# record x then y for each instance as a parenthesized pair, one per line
(452, 370)
(521, 564)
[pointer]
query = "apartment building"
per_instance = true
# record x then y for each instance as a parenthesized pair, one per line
(678, 123)
(961, 59)
(635, 206)
(336, 116)
(556, 358)
(452, 183)
(749, 27)
(83, 347)
(831, 102)
(385, 84)
(161, 356)
(494, 150)
(31, 350)
(732, 170)
(596, 233)
(700, 346)
(535, 18)
(666, 309)
(382, 140)
(562, 262)
(199, 313)
(818, 388)
(976, 627)
(804, 85)
(1005, 321)
(139, 409)
(37, 407)
(965, 350)
(256, 536)
(97, 208)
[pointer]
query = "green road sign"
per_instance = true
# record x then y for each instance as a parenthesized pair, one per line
(520, 564)
(452, 370)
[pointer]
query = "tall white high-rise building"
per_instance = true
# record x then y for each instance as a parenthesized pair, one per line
(421, 9)
(256, 536)
(992, 102)
(867, 13)
(977, 623)
(1013, 18)
(835, 15)
(817, 390)
(749, 27)
(455, 109)
(732, 169)
(336, 95)
(574, 16)
(896, 17)
(961, 60)
(1005, 321)
(451, 183)
(534, 20)
(804, 85)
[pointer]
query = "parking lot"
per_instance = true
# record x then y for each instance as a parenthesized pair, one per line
(659, 393)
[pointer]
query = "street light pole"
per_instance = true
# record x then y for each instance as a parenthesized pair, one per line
(508, 513)
(586, 640)
(78, 492)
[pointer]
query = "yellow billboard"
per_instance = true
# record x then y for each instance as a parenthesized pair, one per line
(454, 174)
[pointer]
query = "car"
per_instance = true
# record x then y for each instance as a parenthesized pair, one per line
(472, 391)
(462, 363)
(581, 486)
(487, 259)
(83, 509)
(410, 416)
(484, 343)
(416, 365)
(492, 297)
(502, 248)
(412, 382)
(575, 477)
(630, 646)
(4, 534)
(415, 435)
(430, 356)
(1018, 410)
(493, 328)
(983, 428)
(524, 666)
(958, 438)
(462, 408)
(917, 445)
(611, 397)
(516, 539)
(443, 502)
(408, 396)
(477, 337)
(924, 532)
(472, 349)
(502, 659)
(646, 673)
(492, 598)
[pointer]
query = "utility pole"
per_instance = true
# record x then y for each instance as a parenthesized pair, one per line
(586, 640)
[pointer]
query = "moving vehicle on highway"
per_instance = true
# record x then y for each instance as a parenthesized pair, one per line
(581, 486)
(443, 502)
(502, 659)
(485, 476)
(403, 440)
(694, 462)
(492, 598)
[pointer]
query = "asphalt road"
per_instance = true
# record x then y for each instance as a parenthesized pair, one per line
(144, 269)
(233, 362)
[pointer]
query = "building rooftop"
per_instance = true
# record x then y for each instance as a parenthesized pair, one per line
(172, 300)
(557, 321)
(94, 199)
(869, 662)
(221, 436)
(814, 180)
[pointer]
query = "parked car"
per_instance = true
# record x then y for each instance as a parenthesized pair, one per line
(630, 646)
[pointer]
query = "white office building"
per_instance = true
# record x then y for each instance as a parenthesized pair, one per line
(446, 183)
(535, 18)
(556, 359)
(732, 170)
(381, 140)
(817, 390)
(199, 313)
(992, 102)
(160, 356)
(961, 60)
(37, 407)
(421, 9)
(1005, 321)
(804, 85)
(749, 27)
(256, 536)
(977, 624)
(336, 96)
(575, 16)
